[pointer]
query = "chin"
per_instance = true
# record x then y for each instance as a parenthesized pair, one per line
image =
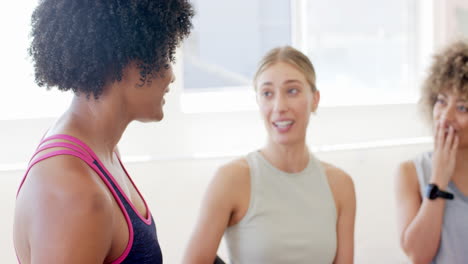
(284, 141)
(155, 118)
(159, 116)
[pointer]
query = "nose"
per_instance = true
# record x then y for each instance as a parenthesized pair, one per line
(280, 103)
(173, 78)
(447, 116)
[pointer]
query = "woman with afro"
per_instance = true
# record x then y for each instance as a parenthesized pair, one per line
(76, 203)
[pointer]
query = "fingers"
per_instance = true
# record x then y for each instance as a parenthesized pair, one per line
(450, 145)
(447, 145)
(446, 139)
(454, 147)
(437, 135)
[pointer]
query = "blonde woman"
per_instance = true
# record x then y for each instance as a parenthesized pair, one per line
(279, 204)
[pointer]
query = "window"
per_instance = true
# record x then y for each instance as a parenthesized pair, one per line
(21, 97)
(227, 41)
(365, 52)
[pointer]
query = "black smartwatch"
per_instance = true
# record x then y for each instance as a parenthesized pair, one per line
(433, 191)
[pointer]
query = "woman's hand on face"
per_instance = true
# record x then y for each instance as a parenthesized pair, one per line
(444, 156)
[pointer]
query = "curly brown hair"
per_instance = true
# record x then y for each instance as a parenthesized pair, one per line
(84, 45)
(448, 72)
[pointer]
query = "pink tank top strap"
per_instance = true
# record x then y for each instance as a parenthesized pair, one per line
(75, 147)
(87, 159)
(59, 145)
(78, 149)
(73, 140)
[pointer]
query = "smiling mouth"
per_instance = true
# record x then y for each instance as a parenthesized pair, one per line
(283, 124)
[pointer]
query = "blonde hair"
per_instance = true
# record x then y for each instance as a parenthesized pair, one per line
(448, 72)
(291, 56)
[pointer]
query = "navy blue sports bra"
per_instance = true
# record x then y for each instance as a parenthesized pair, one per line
(143, 246)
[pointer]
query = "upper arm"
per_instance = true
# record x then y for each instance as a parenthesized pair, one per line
(345, 199)
(71, 219)
(408, 198)
(217, 208)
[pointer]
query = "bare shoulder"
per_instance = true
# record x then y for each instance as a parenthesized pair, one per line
(406, 170)
(235, 171)
(238, 165)
(67, 173)
(406, 177)
(232, 182)
(227, 196)
(337, 178)
(342, 187)
(66, 182)
(63, 202)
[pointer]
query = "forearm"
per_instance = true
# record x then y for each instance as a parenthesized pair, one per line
(196, 259)
(198, 255)
(421, 238)
(205, 240)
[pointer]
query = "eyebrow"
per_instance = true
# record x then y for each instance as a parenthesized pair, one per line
(285, 82)
(266, 83)
(292, 81)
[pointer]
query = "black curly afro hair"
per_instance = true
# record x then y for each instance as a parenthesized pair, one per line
(81, 45)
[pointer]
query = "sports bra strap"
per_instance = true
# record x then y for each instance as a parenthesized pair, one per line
(73, 140)
(87, 159)
(82, 151)
(75, 147)
(60, 145)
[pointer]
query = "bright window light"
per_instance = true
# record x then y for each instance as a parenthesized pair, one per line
(365, 52)
(21, 97)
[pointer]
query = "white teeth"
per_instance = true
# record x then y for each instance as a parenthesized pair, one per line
(283, 124)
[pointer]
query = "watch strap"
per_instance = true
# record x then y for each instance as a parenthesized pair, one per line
(444, 194)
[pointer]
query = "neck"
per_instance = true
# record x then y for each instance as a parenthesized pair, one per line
(99, 123)
(289, 158)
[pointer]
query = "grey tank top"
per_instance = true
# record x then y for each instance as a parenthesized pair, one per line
(453, 247)
(291, 217)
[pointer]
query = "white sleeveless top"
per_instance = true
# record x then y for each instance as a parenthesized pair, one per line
(291, 217)
(453, 248)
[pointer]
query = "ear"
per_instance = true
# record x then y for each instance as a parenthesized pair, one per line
(315, 100)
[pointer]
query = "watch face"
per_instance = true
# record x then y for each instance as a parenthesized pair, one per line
(432, 191)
